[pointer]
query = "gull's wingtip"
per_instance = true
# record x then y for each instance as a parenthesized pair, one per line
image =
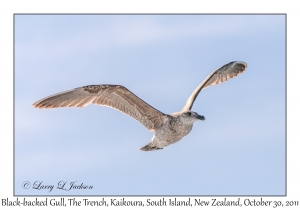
(34, 105)
(242, 62)
(38, 105)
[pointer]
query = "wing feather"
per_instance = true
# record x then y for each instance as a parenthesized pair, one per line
(114, 96)
(220, 75)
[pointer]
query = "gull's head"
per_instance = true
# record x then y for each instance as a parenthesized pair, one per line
(191, 117)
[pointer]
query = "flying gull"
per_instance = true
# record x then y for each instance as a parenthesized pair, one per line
(167, 128)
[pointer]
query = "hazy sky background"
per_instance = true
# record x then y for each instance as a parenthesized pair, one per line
(238, 150)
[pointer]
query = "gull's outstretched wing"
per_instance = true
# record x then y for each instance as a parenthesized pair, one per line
(220, 75)
(114, 96)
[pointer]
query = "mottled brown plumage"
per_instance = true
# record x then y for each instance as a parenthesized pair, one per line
(168, 129)
(114, 96)
(229, 70)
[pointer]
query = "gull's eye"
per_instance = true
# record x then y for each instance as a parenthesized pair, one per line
(188, 113)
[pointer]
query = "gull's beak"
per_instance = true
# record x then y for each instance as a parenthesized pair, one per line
(200, 117)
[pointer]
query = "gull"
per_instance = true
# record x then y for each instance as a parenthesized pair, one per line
(168, 128)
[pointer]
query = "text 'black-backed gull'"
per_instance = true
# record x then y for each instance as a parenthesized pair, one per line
(167, 128)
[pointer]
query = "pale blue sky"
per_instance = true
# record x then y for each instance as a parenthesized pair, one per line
(238, 150)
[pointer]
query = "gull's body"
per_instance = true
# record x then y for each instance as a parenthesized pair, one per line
(168, 129)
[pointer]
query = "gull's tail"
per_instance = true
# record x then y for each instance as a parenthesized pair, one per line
(150, 147)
